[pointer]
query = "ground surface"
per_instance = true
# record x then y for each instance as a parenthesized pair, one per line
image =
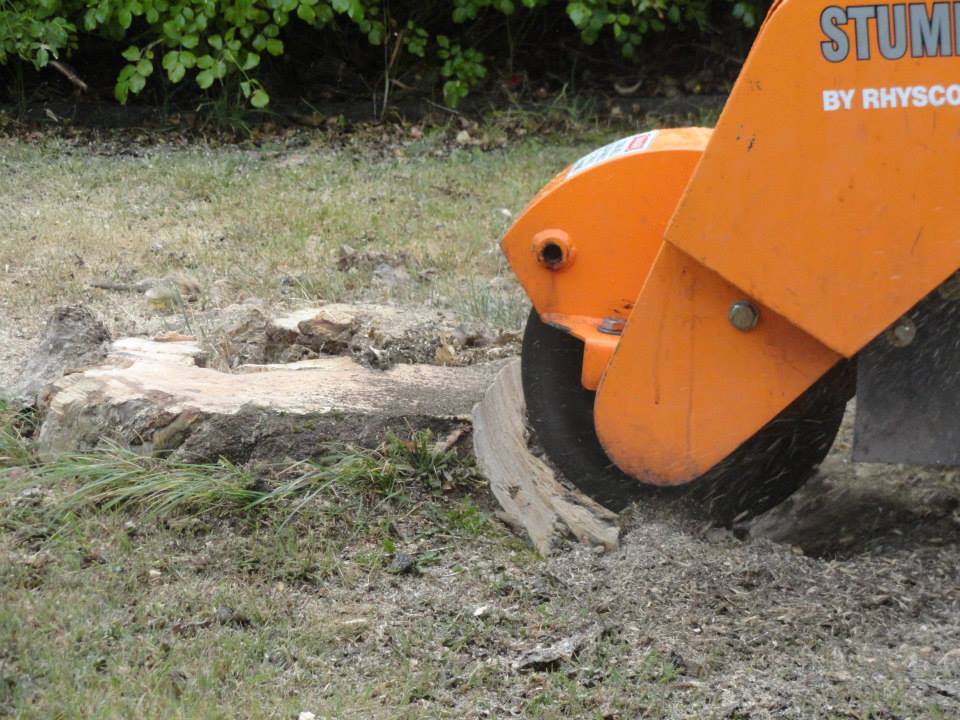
(853, 613)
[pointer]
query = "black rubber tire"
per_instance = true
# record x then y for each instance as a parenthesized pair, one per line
(761, 473)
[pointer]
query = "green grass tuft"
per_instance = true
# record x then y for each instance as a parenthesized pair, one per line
(346, 487)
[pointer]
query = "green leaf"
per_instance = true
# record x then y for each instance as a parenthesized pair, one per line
(121, 91)
(260, 99)
(190, 41)
(245, 88)
(171, 30)
(145, 67)
(188, 59)
(124, 18)
(215, 41)
(43, 57)
(176, 73)
(306, 13)
(204, 62)
(205, 78)
(132, 54)
(453, 92)
(274, 46)
(579, 14)
(152, 16)
(137, 83)
(171, 59)
(251, 62)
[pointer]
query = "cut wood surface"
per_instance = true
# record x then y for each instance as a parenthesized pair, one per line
(153, 396)
(526, 487)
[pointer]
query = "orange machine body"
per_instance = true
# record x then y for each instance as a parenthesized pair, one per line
(607, 215)
(825, 197)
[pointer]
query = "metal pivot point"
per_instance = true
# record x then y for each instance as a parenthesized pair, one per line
(743, 316)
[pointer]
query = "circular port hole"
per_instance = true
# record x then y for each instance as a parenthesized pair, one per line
(552, 254)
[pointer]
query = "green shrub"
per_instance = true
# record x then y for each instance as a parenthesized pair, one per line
(216, 42)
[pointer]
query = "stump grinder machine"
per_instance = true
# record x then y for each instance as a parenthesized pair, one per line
(706, 302)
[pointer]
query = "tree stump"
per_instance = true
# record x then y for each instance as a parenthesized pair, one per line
(528, 491)
(153, 397)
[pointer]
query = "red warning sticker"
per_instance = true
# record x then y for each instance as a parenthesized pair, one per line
(619, 148)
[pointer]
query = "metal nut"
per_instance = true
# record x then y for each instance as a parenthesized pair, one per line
(743, 315)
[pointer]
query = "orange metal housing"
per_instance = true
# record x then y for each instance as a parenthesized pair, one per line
(839, 219)
(612, 216)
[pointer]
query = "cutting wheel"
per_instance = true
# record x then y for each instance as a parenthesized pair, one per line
(759, 474)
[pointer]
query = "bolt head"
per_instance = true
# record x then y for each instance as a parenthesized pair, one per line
(902, 333)
(743, 315)
(612, 325)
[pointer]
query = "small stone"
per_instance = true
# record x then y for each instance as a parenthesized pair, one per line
(482, 611)
(403, 564)
(29, 496)
(463, 138)
(548, 658)
(306, 715)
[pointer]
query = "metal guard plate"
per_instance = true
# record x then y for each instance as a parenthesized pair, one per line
(908, 398)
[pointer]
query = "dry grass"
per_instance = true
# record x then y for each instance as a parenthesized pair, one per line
(267, 223)
(260, 223)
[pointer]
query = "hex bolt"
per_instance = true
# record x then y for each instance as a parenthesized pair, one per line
(743, 315)
(902, 333)
(612, 326)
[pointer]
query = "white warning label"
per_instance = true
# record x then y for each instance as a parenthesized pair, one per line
(624, 146)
